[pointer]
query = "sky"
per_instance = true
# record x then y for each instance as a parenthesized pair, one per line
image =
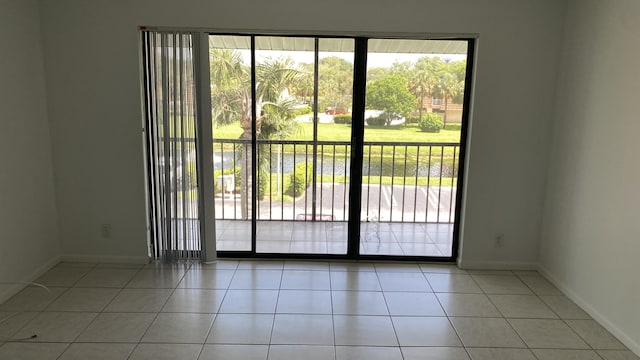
(373, 59)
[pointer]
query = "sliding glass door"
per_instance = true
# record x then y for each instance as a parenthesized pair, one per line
(300, 123)
(413, 123)
(288, 169)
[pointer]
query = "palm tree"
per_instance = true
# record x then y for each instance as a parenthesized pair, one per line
(335, 82)
(231, 99)
(425, 79)
(303, 88)
(450, 86)
(230, 84)
(278, 123)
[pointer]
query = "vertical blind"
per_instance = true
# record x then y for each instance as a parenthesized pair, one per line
(170, 114)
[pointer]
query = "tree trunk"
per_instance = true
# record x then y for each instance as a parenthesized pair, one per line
(278, 164)
(247, 190)
(446, 104)
(246, 175)
(419, 110)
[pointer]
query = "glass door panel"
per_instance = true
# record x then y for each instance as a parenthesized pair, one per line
(414, 97)
(303, 155)
(230, 73)
(284, 81)
(333, 149)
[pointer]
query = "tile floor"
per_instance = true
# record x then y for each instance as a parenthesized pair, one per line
(282, 310)
(377, 238)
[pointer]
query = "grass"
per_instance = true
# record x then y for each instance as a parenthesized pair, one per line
(342, 132)
(229, 131)
(395, 180)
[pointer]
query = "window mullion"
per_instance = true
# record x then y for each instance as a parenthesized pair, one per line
(357, 143)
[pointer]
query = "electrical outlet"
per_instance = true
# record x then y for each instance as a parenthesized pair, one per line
(105, 230)
(499, 240)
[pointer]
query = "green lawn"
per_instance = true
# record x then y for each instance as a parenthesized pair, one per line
(385, 157)
(342, 132)
(230, 131)
(399, 133)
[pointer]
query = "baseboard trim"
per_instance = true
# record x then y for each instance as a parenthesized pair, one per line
(497, 265)
(105, 259)
(20, 284)
(595, 314)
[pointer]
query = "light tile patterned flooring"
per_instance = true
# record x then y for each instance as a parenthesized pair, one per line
(282, 310)
(377, 238)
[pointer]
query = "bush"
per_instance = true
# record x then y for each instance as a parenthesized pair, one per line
(342, 119)
(192, 176)
(299, 179)
(431, 123)
(227, 171)
(377, 121)
(301, 111)
(264, 177)
(412, 120)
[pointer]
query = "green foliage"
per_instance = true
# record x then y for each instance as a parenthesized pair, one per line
(301, 111)
(412, 120)
(431, 123)
(403, 69)
(299, 179)
(277, 121)
(192, 175)
(391, 94)
(232, 170)
(335, 82)
(230, 83)
(264, 176)
(377, 121)
(342, 119)
(377, 73)
(263, 182)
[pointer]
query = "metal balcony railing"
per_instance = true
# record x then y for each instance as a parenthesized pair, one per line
(303, 180)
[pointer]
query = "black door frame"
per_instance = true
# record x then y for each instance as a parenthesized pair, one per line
(357, 141)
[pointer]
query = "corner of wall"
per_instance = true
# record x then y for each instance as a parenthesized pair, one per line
(586, 306)
(13, 288)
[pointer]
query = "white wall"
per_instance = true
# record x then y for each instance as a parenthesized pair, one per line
(92, 50)
(590, 242)
(29, 241)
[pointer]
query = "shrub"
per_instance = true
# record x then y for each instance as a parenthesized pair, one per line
(342, 119)
(301, 111)
(412, 120)
(431, 123)
(299, 179)
(377, 121)
(227, 171)
(192, 175)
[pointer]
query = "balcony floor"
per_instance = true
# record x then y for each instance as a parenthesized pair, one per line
(307, 237)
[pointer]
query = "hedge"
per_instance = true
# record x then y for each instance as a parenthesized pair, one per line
(431, 123)
(299, 179)
(342, 119)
